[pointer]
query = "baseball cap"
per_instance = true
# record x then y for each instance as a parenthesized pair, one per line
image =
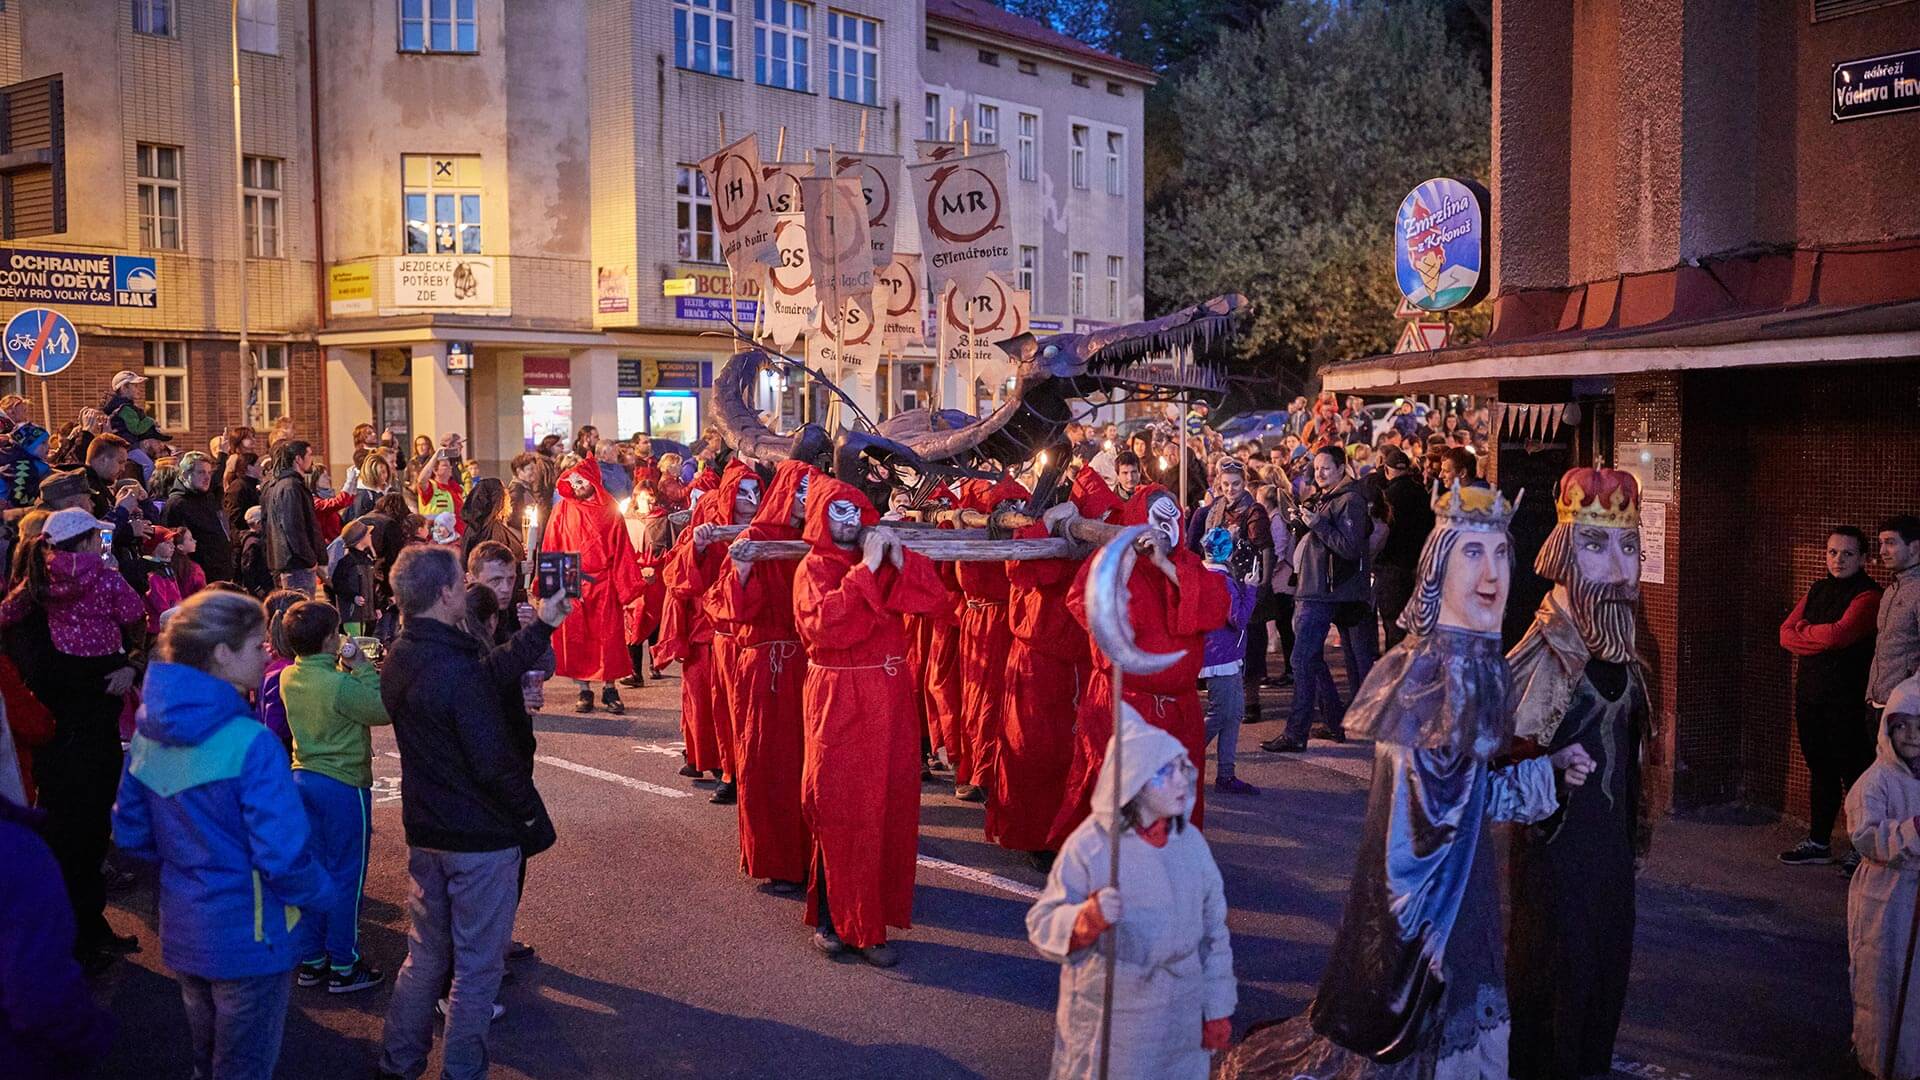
(1396, 458)
(125, 377)
(64, 525)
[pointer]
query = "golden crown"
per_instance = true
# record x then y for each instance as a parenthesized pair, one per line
(1608, 498)
(1482, 509)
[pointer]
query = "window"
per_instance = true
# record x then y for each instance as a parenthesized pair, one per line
(1029, 263)
(1079, 79)
(438, 26)
(933, 43)
(159, 191)
(1028, 147)
(1028, 67)
(262, 197)
(270, 381)
(933, 116)
(260, 26)
(166, 372)
(1078, 158)
(989, 58)
(442, 204)
(781, 44)
(1077, 284)
(1115, 268)
(703, 36)
(853, 58)
(1116, 176)
(986, 125)
(153, 17)
(33, 182)
(693, 222)
(1116, 89)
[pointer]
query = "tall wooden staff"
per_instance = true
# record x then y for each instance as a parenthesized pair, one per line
(1900, 1001)
(1107, 616)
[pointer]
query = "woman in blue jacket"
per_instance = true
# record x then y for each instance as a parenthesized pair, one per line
(208, 794)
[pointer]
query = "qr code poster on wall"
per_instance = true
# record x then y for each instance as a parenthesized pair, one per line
(1651, 463)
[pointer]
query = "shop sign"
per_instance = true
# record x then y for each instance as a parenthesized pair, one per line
(350, 288)
(1440, 244)
(1046, 324)
(77, 277)
(677, 286)
(546, 373)
(1876, 86)
(443, 281)
(612, 290)
(459, 356)
(710, 300)
(675, 374)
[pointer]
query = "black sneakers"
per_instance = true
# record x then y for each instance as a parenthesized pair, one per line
(610, 699)
(361, 977)
(725, 795)
(585, 703)
(1807, 853)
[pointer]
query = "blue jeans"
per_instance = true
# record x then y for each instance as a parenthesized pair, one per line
(1312, 679)
(1226, 705)
(460, 921)
(236, 1024)
(341, 819)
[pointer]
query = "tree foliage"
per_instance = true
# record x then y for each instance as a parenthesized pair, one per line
(1298, 139)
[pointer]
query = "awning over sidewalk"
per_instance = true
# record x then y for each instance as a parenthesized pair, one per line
(1776, 308)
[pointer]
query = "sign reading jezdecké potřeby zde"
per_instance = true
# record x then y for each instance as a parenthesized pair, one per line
(1440, 244)
(77, 277)
(1876, 86)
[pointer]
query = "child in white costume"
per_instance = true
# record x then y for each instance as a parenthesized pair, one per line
(1883, 818)
(1174, 990)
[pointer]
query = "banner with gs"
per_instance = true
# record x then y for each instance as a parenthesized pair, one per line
(851, 342)
(789, 294)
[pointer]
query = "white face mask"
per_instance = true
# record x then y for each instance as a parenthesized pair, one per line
(1163, 514)
(843, 522)
(800, 495)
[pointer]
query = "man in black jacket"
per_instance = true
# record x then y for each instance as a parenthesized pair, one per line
(1335, 591)
(1409, 520)
(287, 523)
(468, 804)
(195, 506)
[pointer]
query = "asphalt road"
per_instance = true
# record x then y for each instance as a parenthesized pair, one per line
(657, 959)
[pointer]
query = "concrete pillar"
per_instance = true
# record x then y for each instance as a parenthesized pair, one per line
(439, 398)
(496, 386)
(348, 378)
(596, 390)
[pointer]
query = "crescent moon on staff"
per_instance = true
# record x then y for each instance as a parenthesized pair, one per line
(1107, 604)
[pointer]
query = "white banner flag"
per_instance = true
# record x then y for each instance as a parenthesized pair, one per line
(935, 149)
(842, 259)
(963, 206)
(879, 178)
(971, 327)
(855, 343)
(789, 292)
(897, 307)
(735, 180)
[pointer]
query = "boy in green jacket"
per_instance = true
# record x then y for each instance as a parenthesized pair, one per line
(332, 697)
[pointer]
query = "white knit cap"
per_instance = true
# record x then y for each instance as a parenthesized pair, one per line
(64, 525)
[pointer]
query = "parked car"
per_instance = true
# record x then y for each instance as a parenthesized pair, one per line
(1250, 424)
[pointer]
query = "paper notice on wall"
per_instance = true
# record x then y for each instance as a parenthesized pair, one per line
(896, 303)
(734, 181)
(789, 294)
(966, 228)
(1653, 543)
(837, 243)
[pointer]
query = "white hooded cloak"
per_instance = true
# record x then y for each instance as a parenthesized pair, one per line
(1880, 818)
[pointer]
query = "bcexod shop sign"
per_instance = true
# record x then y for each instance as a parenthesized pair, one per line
(710, 301)
(1440, 244)
(77, 277)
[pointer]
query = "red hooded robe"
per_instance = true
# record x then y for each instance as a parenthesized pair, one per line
(704, 715)
(768, 676)
(985, 640)
(933, 650)
(1047, 670)
(591, 644)
(860, 786)
(1165, 618)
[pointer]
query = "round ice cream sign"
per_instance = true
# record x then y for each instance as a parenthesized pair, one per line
(1440, 244)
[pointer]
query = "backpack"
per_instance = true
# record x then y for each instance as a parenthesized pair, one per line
(251, 570)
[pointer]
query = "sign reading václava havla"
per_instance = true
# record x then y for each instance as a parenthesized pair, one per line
(1440, 244)
(1877, 85)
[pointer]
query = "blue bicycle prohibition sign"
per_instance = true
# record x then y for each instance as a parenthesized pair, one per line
(40, 341)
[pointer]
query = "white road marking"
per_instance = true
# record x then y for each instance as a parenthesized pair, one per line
(609, 777)
(992, 881)
(672, 749)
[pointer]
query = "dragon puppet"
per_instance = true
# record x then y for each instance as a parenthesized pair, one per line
(1057, 379)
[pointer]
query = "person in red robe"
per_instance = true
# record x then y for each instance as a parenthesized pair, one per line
(649, 529)
(692, 568)
(860, 785)
(985, 640)
(591, 646)
(1047, 669)
(1173, 601)
(751, 605)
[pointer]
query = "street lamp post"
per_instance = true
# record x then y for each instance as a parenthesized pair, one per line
(240, 207)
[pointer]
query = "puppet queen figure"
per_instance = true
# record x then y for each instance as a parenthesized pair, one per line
(1414, 986)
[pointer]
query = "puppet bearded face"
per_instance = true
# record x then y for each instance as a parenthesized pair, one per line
(1164, 514)
(799, 513)
(843, 522)
(746, 500)
(1169, 793)
(1473, 587)
(1600, 568)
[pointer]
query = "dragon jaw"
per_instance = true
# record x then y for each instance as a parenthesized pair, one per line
(1111, 351)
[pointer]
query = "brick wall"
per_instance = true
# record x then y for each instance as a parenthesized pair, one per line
(1684, 758)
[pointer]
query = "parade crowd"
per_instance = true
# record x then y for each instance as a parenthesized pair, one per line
(198, 644)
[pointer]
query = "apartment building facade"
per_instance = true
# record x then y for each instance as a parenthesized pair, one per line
(460, 215)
